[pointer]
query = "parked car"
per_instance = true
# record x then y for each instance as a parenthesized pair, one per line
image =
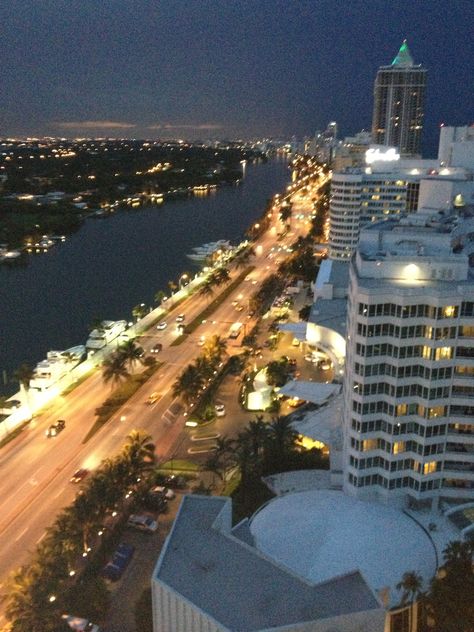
(177, 482)
(155, 502)
(162, 325)
(295, 342)
(156, 348)
(79, 475)
(56, 428)
(220, 409)
(163, 491)
(115, 568)
(142, 523)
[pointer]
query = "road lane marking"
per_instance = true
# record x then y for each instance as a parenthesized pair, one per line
(40, 538)
(21, 534)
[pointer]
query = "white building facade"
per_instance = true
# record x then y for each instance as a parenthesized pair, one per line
(388, 186)
(409, 382)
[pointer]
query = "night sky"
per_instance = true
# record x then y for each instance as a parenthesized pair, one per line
(223, 68)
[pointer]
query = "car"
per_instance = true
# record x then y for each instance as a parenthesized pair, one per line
(156, 503)
(180, 328)
(325, 365)
(154, 397)
(180, 318)
(239, 308)
(55, 429)
(115, 568)
(202, 341)
(220, 409)
(79, 475)
(295, 342)
(163, 491)
(162, 325)
(309, 357)
(142, 523)
(156, 348)
(234, 303)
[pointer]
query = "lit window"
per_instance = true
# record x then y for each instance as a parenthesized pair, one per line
(429, 468)
(398, 446)
(443, 353)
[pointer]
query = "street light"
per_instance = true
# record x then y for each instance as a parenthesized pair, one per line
(183, 280)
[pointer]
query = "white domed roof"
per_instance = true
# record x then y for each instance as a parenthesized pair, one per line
(324, 533)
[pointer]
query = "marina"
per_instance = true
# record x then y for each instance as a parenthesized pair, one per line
(108, 267)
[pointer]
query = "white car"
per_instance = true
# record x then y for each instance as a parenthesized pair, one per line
(142, 523)
(220, 409)
(162, 325)
(166, 492)
(180, 318)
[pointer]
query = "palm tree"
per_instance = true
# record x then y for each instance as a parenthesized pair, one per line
(27, 600)
(257, 434)
(244, 459)
(114, 370)
(131, 353)
(159, 296)
(411, 585)
(188, 384)
(449, 601)
(139, 451)
(172, 286)
(139, 311)
(204, 367)
(222, 457)
(285, 213)
(24, 375)
(207, 289)
(214, 348)
(220, 276)
(281, 442)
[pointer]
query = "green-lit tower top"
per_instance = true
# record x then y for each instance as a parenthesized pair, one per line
(403, 58)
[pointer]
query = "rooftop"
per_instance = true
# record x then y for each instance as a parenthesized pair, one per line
(324, 533)
(209, 566)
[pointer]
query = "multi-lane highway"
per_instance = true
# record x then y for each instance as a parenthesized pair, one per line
(36, 470)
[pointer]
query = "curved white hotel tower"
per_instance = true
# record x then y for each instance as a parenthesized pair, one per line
(409, 383)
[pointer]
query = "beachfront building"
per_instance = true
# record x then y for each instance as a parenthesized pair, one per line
(399, 95)
(388, 186)
(211, 577)
(409, 377)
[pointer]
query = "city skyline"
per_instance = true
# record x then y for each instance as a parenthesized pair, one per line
(147, 69)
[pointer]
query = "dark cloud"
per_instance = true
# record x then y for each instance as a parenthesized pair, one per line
(257, 67)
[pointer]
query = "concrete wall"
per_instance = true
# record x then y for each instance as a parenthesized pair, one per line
(172, 613)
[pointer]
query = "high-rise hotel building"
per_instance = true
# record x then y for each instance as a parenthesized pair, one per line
(388, 187)
(399, 94)
(409, 382)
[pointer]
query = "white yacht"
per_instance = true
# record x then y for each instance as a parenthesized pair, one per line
(108, 331)
(206, 250)
(55, 366)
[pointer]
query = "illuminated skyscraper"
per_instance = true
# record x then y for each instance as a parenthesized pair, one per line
(399, 94)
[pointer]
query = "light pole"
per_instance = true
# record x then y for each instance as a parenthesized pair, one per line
(183, 280)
